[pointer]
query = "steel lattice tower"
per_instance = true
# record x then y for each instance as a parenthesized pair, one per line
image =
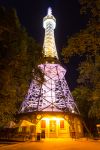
(54, 94)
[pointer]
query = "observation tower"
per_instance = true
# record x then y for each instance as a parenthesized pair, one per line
(51, 105)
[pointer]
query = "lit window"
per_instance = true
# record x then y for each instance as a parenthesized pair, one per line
(43, 123)
(61, 124)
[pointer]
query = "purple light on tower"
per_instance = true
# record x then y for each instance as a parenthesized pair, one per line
(54, 94)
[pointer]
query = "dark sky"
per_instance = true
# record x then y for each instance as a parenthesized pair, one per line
(68, 19)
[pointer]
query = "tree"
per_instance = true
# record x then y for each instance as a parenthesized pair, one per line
(86, 45)
(19, 55)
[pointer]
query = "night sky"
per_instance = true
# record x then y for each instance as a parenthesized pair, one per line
(68, 19)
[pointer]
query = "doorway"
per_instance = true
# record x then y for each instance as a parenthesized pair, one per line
(52, 128)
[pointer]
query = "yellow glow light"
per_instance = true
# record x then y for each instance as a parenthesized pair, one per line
(52, 118)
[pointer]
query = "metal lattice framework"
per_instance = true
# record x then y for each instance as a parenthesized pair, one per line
(54, 94)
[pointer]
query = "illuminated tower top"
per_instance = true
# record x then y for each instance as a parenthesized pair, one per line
(49, 46)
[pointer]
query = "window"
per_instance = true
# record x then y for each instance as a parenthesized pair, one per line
(43, 124)
(24, 129)
(61, 124)
(32, 129)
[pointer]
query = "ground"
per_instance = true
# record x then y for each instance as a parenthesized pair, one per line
(53, 144)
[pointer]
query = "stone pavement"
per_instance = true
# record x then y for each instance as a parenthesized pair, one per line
(54, 144)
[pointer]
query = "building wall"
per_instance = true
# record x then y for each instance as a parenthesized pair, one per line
(60, 127)
(54, 127)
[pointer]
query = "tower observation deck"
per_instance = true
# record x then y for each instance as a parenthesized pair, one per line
(54, 94)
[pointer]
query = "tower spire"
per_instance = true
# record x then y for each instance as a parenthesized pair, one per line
(49, 11)
(49, 46)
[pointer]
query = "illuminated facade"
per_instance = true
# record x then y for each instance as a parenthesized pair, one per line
(52, 101)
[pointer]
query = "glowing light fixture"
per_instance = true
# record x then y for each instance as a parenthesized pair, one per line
(52, 118)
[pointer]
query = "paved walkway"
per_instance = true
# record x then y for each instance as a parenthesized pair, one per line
(54, 144)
